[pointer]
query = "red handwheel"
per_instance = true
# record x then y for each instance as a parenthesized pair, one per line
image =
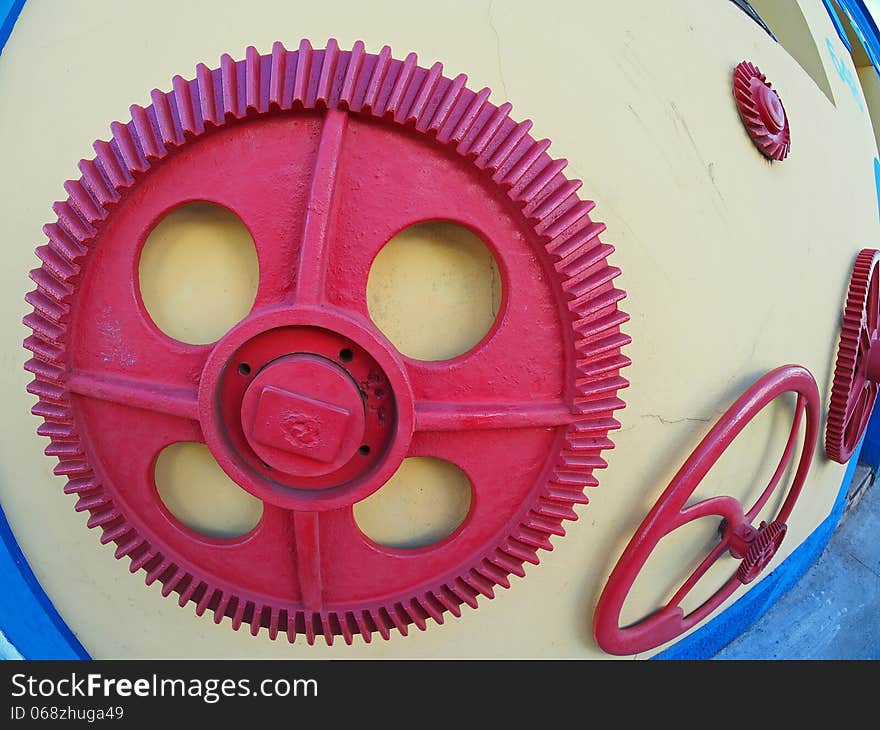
(325, 155)
(857, 370)
(754, 546)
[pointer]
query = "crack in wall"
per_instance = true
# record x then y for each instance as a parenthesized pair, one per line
(675, 420)
(497, 47)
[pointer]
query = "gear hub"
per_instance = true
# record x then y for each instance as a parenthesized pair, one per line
(325, 155)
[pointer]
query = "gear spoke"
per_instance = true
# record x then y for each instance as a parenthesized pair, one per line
(307, 537)
(289, 274)
(864, 344)
(494, 495)
(872, 306)
(127, 362)
(434, 416)
(311, 268)
(856, 415)
(172, 400)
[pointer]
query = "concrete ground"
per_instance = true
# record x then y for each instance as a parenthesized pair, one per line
(833, 612)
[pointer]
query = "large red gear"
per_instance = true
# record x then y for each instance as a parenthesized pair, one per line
(761, 111)
(857, 370)
(526, 413)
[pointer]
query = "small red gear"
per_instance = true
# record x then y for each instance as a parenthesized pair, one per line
(857, 371)
(761, 551)
(761, 111)
(526, 413)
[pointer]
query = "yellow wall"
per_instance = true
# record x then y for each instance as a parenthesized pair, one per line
(733, 265)
(870, 83)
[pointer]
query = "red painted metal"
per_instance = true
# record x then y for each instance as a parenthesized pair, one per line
(761, 111)
(325, 155)
(304, 415)
(857, 371)
(755, 546)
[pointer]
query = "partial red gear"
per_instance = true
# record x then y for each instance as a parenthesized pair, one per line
(857, 371)
(761, 111)
(96, 356)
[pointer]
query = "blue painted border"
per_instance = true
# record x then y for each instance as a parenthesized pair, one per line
(29, 622)
(30, 627)
(864, 26)
(877, 182)
(838, 25)
(9, 11)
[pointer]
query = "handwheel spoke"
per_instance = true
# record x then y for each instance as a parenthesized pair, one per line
(439, 416)
(170, 399)
(722, 506)
(699, 572)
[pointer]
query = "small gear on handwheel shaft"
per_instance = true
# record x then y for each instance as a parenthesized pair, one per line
(761, 551)
(325, 155)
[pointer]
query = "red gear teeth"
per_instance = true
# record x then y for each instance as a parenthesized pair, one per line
(761, 551)
(761, 111)
(400, 93)
(854, 390)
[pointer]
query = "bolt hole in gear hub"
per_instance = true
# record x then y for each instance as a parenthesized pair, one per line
(325, 155)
